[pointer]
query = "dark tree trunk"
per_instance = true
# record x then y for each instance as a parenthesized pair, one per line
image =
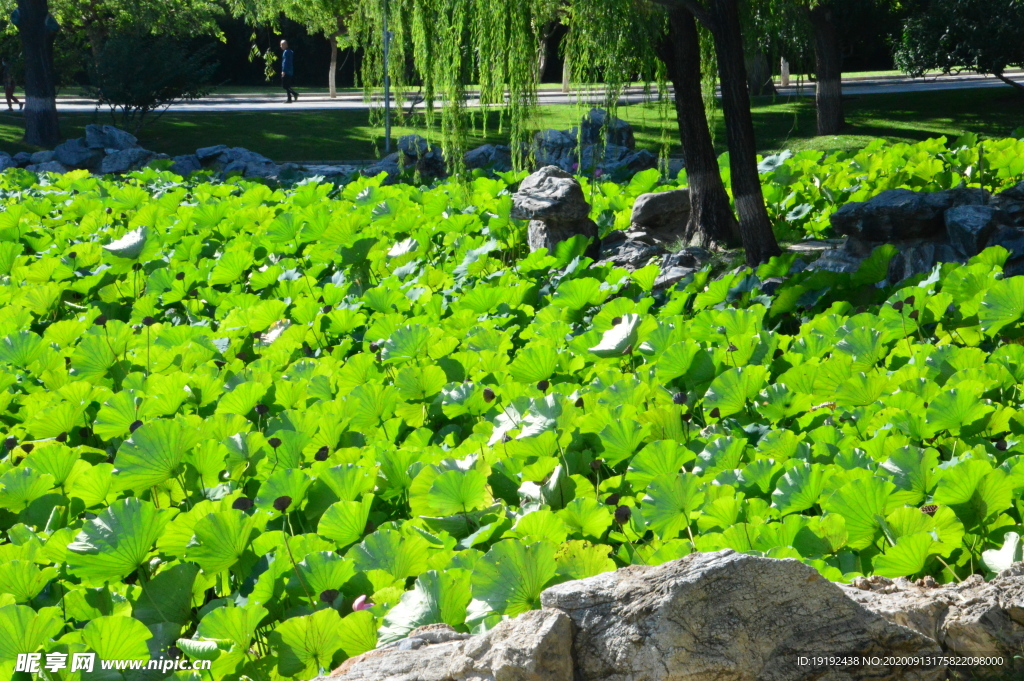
(711, 220)
(759, 76)
(41, 126)
(755, 227)
(828, 59)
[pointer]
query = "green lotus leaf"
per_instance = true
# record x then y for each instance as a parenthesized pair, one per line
(23, 630)
(292, 483)
(455, 492)
(670, 503)
(19, 487)
(318, 572)
(863, 505)
(581, 559)
(399, 555)
(307, 644)
(167, 597)
(117, 638)
(907, 557)
(509, 578)
(586, 518)
(23, 580)
(220, 539)
(799, 488)
(232, 623)
(975, 491)
(345, 521)
(436, 597)
(154, 454)
(117, 541)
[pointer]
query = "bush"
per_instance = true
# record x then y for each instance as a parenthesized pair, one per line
(136, 75)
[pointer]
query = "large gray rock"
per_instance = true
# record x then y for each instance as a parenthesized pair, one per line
(555, 148)
(615, 131)
(495, 157)
(23, 158)
(390, 164)
(39, 157)
(553, 201)
(969, 618)
(726, 617)
(186, 164)
(899, 214)
(7, 161)
(536, 646)
(662, 216)
(109, 137)
(550, 194)
(208, 154)
(920, 258)
(125, 160)
(75, 153)
(969, 227)
(48, 167)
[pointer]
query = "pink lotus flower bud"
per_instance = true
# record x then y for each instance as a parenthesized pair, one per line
(361, 603)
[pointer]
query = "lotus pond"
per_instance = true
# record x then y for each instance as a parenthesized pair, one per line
(275, 428)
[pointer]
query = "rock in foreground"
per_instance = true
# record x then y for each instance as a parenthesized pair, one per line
(725, 616)
(536, 646)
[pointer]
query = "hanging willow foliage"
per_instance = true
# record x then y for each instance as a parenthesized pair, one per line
(614, 43)
(441, 45)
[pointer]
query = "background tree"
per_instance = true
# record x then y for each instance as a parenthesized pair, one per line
(722, 19)
(964, 35)
(330, 18)
(139, 75)
(37, 30)
(616, 42)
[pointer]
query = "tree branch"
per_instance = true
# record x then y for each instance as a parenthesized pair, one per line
(1009, 81)
(694, 7)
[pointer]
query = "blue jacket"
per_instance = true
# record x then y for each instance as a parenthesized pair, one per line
(288, 63)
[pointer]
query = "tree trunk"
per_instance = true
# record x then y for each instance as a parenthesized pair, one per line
(755, 226)
(828, 58)
(566, 75)
(332, 75)
(760, 75)
(711, 220)
(41, 125)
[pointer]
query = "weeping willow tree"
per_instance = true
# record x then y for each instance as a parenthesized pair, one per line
(617, 42)
(440, 46)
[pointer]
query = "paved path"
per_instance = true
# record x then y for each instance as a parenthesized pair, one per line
(321, 102)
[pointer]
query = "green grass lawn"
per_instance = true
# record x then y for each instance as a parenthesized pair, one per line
(780, 124)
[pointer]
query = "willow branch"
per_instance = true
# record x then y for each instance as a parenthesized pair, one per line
(694, 7)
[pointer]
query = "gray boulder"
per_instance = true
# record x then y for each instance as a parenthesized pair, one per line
(7, 161)
(389, 164)
(495, 157)
(39, 157)
(125, 160)
(553, 201)
(969, 618)
(75, 153)
(899, 214)
(209, 154)
(22, 158)
(109, 137)
(1010, 238)
(614, 130)
(186, 164)
(969, 227)
(636, 162)
(413, 145)
(727, 616)
(554, 148)
(661, 217)
(536, 646)
(48, 167)
(628, 254)
(920, 259)
(550, 194)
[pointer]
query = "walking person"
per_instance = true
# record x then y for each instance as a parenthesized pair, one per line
(288, 71)
(8, 73)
